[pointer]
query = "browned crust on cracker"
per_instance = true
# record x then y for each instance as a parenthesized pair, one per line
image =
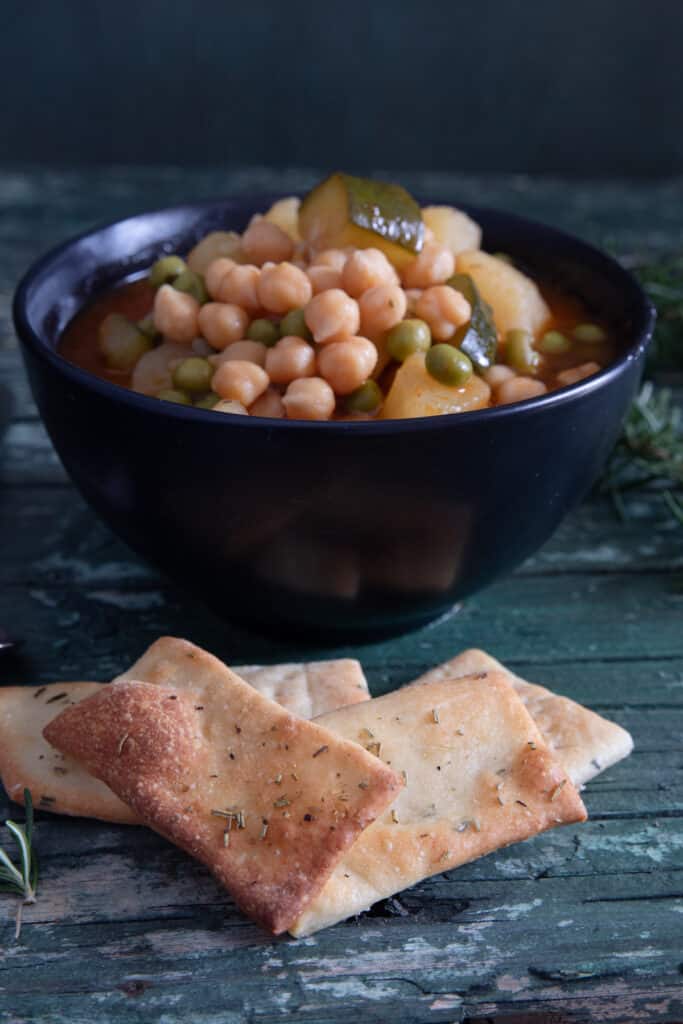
(160, 751)
(62, 786)
(57, 783)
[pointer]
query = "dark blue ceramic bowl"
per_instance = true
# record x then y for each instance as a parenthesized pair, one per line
(353, 527)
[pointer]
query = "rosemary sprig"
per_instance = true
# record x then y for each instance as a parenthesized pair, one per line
(649, 452)
(21, 881)
(663, 281)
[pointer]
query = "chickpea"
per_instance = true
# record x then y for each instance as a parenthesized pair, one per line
(221, 323)
(249, 351)
(324, 278)
(518, 389)
(367, 268)
(240, 381)
(215, 272)
(290, 357)
(310, 398)
(445, 309)
(176, 315)
(239, 287)
(283, 287)
(434, 265)
(263, 241)
(497, 375)
(346, 365)
(332, 315)
(381, 308)
(577, 373)
(268, 405)
(334, 258)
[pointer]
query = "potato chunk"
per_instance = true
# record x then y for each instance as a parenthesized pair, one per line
(452, 228)
(513, 297)
(213, 246)
(416, 393)
(285, 214)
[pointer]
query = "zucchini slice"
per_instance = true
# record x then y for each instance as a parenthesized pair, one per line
(343, 210)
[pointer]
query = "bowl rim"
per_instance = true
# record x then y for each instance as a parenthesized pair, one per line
(29, 338)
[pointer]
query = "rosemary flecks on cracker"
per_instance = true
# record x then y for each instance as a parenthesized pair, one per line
(558, 789)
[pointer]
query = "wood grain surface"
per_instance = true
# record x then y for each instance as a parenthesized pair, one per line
(582, 924)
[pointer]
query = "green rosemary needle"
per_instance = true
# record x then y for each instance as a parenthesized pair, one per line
(649, 452)
(21, 880)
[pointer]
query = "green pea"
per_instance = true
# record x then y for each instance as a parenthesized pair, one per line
(407, 337)
(519, 351)
(208, 401)
(590, 334)
(148, 328)
(294, 323)
(366, 398)
(192, 284)
(264, 331)
(173, 395)
(554, 343)
(448, 365)
(193, 374)
(121, 342)
(165, 270)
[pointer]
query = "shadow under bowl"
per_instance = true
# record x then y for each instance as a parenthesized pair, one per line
(316, 528)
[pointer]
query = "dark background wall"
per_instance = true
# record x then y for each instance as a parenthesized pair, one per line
(586, 88)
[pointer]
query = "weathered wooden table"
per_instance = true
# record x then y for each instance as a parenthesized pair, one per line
(582, 923)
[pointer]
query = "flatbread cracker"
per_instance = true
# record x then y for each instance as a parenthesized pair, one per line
(27, 761)
(60, 784)
(309, 689)
(584, 743)
(269, 802)
(478, 776)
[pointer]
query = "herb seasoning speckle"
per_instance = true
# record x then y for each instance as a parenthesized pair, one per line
(558, 789)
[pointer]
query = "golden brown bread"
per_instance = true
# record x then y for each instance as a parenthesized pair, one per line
(269, 802)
